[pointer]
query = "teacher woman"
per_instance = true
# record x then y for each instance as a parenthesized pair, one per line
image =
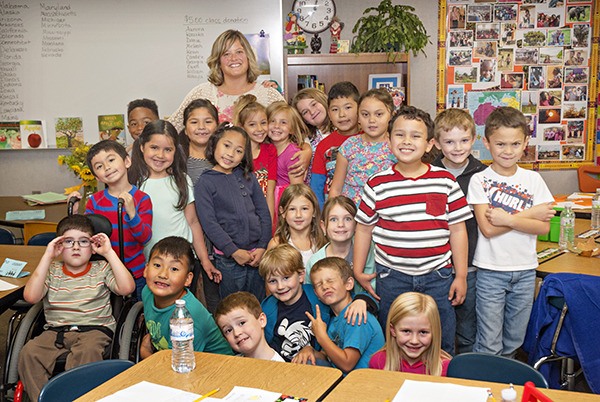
(233, 72)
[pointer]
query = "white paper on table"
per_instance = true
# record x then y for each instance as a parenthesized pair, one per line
(423, 391)
(576, 196)
(147, 391)
(574, 205)
(240, 394)
(6, 286)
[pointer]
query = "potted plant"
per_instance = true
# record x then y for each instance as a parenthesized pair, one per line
(391, 29)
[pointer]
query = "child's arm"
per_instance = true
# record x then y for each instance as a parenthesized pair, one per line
(299, 168)
(199, 244)
(271, 198)
(459, 245)
(307, 355)
(139, 217)
(35, 289)
(344, 359)
(124, 284)
(76, 194)
(362, 243)
(339, 176)
(317, 184)
(495, 221)
(146, 349)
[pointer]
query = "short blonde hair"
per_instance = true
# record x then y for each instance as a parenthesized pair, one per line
(220, 46)
(453, 118)
(335, 263)
(281, 260)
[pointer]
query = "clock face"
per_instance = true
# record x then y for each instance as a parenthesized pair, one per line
(314, 15)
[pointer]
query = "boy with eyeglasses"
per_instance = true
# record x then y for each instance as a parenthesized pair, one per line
(76, 294)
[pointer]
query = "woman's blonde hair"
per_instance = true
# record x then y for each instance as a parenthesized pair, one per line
(293, 191)
(298, 130)
(319, 96)
(245, 107)
(412, 304)
(220, 46)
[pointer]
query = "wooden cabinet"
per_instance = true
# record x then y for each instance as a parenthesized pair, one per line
(332, 68)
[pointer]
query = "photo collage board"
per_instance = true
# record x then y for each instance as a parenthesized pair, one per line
(534, 55)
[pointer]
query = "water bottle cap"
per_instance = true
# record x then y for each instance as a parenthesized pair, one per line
(569, 204)
(179, 302)
(509, 394)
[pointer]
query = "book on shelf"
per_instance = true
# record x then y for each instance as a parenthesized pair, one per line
(10, 135)
(307, 81)
(33, 135)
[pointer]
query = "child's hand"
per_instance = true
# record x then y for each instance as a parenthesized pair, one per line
(146, 349)
(498, 217)
(319, 327)
(256, 257)
(365, 281)
(55, 247)
(458, 291)
(242, 257)
(213, 273)
(128, 204)
(77, 195)
(300, 167)
(541, 212)
(358, 308)
(101, 244)
(306, 355)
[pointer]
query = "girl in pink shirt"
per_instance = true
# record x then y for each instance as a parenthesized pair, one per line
(413, 341)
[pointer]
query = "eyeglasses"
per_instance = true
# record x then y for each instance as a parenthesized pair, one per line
(70, 243)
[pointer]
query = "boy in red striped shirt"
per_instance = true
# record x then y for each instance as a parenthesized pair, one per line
(415, 214)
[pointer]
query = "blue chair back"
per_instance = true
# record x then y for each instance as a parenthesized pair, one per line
(7, 237)
(72, 384)
(487, 367)
(41, 239)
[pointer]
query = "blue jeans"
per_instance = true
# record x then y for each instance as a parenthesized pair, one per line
(239, 277)
(504, 301)
(139, 285)
(391, 283)
(466, 317)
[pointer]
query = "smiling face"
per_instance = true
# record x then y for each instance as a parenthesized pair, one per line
(287, 288)
(257, 127)
(312, 112)
(159, 153)
(200, 126)
(137, 120)
(234, 61)
(339, 225)
(229, 151)
(343, 113)
(299, 214)
(456, 146)
(408, 142)
(279, 127)
(506, 145)
(167, 277)
(374, 117)
(243, 331)
(109, 167)
(413, 336)
(76, 258)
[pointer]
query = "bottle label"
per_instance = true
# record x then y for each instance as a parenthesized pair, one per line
(182, 332)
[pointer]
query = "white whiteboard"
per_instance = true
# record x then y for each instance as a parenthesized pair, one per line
(83, 58)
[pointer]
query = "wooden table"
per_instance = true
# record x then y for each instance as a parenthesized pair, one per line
(380, 385)
(218, 371)
(29, 254)
(54, 212)
(569, 262)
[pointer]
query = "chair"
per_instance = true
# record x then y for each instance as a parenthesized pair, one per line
(488, 367)
(41, 239)
(74, 383)
(587, 183)
(7, 237)
(32, 228)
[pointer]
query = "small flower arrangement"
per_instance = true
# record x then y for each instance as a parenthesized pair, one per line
(77, 164)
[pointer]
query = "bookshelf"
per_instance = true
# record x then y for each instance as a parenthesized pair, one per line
(332, 68)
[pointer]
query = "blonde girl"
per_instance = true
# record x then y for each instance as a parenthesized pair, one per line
(339, 225)
(363, 155)
(200, 120)
(413, 339)
(233, 211)
(158, 169)
(298, 221)
(252, 117)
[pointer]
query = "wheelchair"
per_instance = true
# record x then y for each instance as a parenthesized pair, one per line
(125, 343)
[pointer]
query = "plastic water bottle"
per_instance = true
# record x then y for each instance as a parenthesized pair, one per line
(182, 339)
(509, 394)
(567, 228)
(596, 210)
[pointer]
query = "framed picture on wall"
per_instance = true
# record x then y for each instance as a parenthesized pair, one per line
(385, 81)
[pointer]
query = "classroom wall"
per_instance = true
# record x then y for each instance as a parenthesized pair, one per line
(27, 171)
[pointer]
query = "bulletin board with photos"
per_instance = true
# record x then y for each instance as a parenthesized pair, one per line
(539, 56)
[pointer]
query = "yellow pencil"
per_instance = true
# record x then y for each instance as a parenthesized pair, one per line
(214, 391)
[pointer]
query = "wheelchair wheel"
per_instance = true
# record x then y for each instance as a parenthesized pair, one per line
(131, 334)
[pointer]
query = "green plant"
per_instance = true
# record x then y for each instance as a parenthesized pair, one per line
(393, 29)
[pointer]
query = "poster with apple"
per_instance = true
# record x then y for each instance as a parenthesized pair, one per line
(33, 135)
(10, 135)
